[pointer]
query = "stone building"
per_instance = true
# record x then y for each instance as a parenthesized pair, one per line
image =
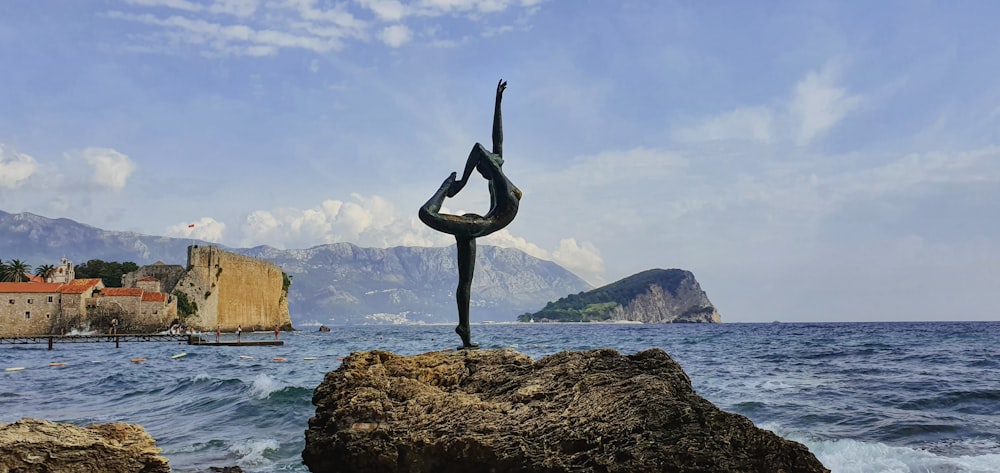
(63, 273)
(166, 274)
(229, 289)
(39, 308)
(63, 303)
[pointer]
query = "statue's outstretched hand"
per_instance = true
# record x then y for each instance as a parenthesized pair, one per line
(456, 186)
(501, 86)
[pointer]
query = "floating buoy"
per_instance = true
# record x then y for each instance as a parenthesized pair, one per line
(179, 355)
(138, 360)
(57, 363)
(246, 357)
(19, 368)
(309, 358)
(278, 358)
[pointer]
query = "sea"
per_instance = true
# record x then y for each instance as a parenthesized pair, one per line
(863, 397)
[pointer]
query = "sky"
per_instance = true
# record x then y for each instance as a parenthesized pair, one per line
(807, 161)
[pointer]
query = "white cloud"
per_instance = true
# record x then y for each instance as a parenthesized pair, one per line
(504, 238)
(815, 106)
(742, 124)
(386, 10)
(367, 221)
(205, 228)
(176, 4)
(236, 39)
(818, 104)
(372, 221)
(395, 35)
(111, 168)
(15, 167)
(583, 259)
(256, 28)
(240, 8)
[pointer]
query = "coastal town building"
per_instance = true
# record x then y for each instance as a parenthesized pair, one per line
(63, 302)
(219, 289)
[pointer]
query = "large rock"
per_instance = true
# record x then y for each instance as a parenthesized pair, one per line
(37, 445)
(500, 411)
(655, 296)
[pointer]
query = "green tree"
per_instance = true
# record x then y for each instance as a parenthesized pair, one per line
(185, 307)
(16, 271)
(45, 271)
(109, 271)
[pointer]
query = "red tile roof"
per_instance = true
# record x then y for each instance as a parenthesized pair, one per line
(149, 278)
(29, 287)
(79, 286)
(121, 291)
(35, 278)
(154, 297)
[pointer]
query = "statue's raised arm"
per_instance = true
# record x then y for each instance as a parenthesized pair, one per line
(472, 162)
(498, 120)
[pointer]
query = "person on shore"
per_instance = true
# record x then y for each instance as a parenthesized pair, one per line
(114, 327)
(218, 333)
(239, 330)
(276, 330)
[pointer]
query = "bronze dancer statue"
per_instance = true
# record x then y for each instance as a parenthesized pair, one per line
(504, 200)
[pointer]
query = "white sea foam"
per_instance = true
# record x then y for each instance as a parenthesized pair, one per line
(263, 385)
(251, 452)
(202, 376)
(852, 456)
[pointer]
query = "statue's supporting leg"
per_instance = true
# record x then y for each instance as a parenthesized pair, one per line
(466, 267)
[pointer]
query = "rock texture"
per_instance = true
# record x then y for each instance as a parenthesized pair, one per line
(654, 296)
(30, 445)
(499, 411)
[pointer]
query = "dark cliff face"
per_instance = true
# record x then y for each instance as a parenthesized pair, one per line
(336, 283)
(653, 296)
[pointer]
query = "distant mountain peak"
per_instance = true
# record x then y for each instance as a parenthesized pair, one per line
(334, 282)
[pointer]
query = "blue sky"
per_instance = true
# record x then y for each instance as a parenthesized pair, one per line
(806, 160)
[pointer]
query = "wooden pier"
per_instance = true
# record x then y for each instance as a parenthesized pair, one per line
(131, 337)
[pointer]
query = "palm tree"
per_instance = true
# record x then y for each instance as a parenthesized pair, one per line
(45, 271)
(16, 271)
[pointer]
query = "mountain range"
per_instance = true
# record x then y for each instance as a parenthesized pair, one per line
(333, 283)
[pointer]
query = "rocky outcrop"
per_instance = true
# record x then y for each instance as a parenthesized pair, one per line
(655, 296)
(38, 445)
(500, 411)
(676, 298)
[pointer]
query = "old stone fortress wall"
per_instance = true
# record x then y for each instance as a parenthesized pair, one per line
(223, 288)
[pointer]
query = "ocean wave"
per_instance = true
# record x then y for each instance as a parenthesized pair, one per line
(263, 385)
(252, 452)
(266, 387)
(852, 456)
